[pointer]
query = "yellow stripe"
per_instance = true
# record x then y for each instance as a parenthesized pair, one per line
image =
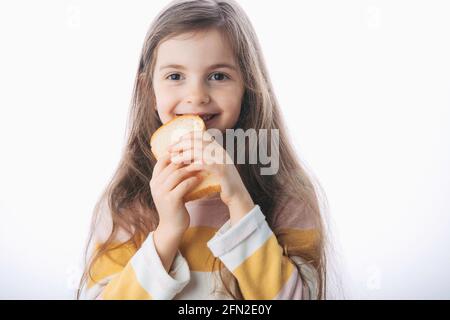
(112, 262)
(193, 247)
(264, 273)
(125, 286)
(296, 240)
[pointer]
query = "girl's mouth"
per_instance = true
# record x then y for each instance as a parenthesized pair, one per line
(207, 117)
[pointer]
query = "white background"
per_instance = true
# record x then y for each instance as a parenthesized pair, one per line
(364, 86)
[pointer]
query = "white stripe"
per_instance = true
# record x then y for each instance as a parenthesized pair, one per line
(227, 237)
(310, 275)
(292, 284)
(152, 275)
(236, 256)
(201, 287)
(93, 292)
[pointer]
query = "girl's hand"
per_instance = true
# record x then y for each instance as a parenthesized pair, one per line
(202, 152)
(169, 183)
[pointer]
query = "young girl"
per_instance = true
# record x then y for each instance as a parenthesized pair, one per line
(262, 236)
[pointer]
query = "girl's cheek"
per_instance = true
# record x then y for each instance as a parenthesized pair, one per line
(231, 95)
(166, 100)
(231, 103)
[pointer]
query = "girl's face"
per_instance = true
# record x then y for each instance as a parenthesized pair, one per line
(197, 74)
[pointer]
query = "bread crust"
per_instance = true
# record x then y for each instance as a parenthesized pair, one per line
(202, 193)
(170, 122)
(196, 193)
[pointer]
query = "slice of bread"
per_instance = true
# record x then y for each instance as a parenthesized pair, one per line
(170, 132)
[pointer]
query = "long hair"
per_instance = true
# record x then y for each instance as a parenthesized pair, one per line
(129, 186)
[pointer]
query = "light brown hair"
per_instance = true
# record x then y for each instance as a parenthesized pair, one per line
(129, 185)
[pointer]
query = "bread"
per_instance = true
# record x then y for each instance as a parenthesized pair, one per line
(170, 132)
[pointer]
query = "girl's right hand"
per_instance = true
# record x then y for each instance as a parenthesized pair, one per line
(170, 182)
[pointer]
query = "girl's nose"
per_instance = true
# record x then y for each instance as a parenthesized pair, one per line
(198, 94)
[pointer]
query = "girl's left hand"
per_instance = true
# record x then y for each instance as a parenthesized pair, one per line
(202, 152)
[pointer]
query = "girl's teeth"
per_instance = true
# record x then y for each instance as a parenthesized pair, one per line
(206, 118)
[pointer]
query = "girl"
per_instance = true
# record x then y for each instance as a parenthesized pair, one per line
(262, 237)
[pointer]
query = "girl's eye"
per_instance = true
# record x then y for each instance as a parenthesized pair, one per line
(218, 76)
(221, 75)
(170, 77)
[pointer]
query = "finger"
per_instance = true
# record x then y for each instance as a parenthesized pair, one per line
(188, 144)
(188, 156)
(205, 155)
(178, 176)
(161, 163)
(197, 134)
(219, 156)
(186, 185)
(196, 166)
(167, 171)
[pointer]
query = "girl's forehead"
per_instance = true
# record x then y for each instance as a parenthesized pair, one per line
(199, 48)
(206, 35)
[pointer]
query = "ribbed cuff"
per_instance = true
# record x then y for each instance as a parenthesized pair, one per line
(153, 276)
(233, 244)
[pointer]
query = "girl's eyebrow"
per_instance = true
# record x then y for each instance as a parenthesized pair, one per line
(213, 66)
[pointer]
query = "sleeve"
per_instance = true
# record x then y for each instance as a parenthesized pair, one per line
(125, 273)
(251, 251)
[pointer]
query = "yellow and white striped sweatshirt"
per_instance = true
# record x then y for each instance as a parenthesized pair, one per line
(248, 249)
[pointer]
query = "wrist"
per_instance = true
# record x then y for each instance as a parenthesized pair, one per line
(239, 206)
(166, 244)
(168, 233)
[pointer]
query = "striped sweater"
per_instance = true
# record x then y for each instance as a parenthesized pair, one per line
(249, 249)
